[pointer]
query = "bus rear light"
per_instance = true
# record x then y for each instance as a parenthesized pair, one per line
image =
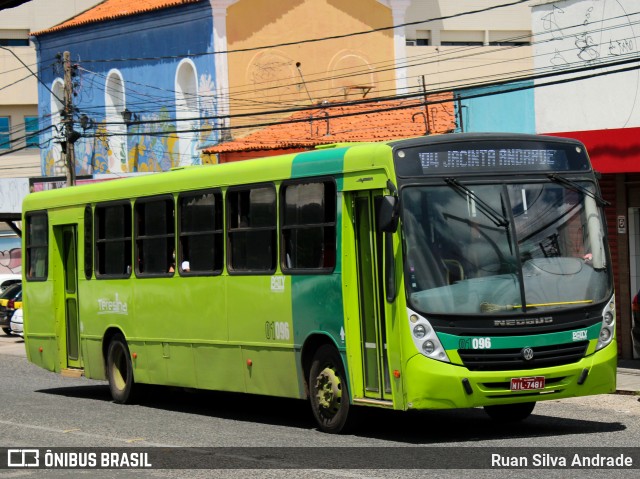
(396, 374)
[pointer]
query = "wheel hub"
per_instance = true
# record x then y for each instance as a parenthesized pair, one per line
(329, 391)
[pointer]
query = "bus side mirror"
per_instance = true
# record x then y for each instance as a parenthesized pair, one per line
(388, 215)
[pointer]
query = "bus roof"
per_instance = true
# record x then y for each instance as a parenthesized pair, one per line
(341, 159)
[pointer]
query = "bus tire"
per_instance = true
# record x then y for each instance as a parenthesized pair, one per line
(328, 391)
(120, 371)
(506, 413)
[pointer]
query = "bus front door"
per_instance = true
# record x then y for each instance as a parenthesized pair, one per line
(377, 383)
(66, 236)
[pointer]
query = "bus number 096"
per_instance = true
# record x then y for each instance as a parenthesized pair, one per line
(276, 330)
(481, 343)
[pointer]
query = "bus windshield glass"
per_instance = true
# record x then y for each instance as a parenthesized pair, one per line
(498, 249)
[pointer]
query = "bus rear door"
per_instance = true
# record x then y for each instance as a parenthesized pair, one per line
(66, 240)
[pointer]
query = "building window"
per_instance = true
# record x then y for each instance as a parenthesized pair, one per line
(155, 238)
(418, 42)
(14, 42)
(37, 246)
(31, 131)
(5, 133)
(509, 38)
(251, 216)
(308, 226)
(201, 238)
(461, 43)
(462, 37)
(113, 240)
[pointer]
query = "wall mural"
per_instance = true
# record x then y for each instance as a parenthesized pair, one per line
(152, 144)
(10, 256)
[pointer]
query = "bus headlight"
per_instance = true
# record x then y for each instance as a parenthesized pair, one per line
(425, 338)
(608, 329)
(608, 318)
(428, 347)
(420, 331)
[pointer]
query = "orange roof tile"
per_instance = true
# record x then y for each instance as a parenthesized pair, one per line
(379, 121)
(112, 9)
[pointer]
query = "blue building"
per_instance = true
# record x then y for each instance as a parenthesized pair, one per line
(144, 86)
(506, 107)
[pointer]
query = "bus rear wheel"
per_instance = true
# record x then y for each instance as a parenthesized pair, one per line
(505, 413)
(120, 371)
(329, 395)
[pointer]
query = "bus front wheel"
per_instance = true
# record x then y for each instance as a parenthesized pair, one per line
(329, 394)
(510, 412)
(120, 371)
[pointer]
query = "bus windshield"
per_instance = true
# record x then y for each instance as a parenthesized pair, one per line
(498, 249)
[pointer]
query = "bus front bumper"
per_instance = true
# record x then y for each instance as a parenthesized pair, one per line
(431, 384)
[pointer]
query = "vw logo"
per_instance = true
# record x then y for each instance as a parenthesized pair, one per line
(527, 354)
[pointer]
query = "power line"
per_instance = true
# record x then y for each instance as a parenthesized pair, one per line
(509, 89)
(315, 40)
(159, 100)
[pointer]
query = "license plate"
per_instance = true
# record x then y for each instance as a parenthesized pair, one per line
(527, 384)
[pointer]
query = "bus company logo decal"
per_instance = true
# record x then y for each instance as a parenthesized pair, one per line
(580, 335)
(112, 306)
(277, 284)
(523, 321)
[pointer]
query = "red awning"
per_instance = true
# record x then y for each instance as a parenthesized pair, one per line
(611, 151)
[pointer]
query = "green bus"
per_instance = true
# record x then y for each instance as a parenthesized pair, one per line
(451, 271)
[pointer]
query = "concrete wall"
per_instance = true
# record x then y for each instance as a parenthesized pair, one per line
(453, 66)
(337, 69)
(586, 34)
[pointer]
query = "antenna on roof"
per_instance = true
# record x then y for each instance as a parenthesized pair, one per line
(298, 64)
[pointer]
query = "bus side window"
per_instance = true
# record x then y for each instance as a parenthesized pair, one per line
(308, 226)
(252, 226)
(37, 245)
(155, 239)
(200, 232)
(112, 237)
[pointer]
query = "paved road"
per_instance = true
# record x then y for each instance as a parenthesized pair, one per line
(44, 410)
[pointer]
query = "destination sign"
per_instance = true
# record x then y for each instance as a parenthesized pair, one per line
(490, 157)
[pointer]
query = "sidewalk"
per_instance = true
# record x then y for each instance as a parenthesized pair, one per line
(628, 381)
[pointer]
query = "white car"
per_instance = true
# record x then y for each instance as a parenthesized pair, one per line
(16, 322)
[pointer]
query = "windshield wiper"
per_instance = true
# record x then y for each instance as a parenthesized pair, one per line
(579, 188)
(495, 216)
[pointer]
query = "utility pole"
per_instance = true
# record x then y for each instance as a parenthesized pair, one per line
(70, 135)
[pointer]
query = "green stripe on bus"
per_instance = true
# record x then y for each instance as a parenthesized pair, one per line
(321, 162)
(449, 341)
